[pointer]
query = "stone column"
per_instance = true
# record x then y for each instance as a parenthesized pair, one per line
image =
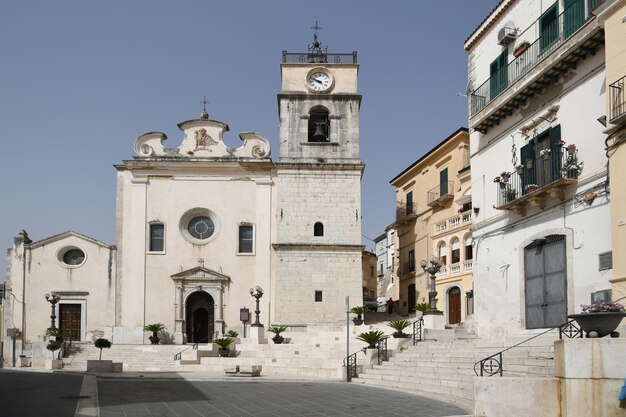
(178, 327)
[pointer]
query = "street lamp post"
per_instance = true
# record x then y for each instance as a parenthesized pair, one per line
(435, 266)
(54, 299)
(257, 293)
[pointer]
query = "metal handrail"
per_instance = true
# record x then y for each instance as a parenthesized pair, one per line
(492, 365)
(418, 325)
(194, 346)
(383, 353)
(350, 363)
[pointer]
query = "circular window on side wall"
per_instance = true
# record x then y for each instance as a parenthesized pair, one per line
(199, 226)
(71, 257)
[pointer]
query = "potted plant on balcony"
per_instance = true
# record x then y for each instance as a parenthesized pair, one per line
(360, 313)
(224, 346)
(277, 330)
(154, 328)
(531, 188)
(545, 153)
(571, 167)
(399, 326)
(519, 169)
(372, 338)
(510, 194)
(521, 48)
(599, 320)
(529, 163)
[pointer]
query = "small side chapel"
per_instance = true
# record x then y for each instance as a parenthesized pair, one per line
(200, 225)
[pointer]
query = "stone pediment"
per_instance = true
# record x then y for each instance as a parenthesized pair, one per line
(200, 274)
(203, 139)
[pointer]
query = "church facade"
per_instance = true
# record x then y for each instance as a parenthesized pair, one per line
(200, 226)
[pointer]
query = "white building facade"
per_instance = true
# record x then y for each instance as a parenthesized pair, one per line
(539, 170)
(199, 224)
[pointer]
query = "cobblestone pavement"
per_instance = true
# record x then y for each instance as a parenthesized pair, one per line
(257, 397)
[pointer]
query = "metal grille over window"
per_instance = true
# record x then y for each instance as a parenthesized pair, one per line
(605, 261)
(318, 296)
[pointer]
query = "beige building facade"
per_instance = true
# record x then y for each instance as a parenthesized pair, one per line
(613, 16)
(433, 217)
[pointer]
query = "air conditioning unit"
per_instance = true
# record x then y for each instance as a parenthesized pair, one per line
(507, 34)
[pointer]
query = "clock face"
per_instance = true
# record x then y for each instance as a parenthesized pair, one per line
(319, 81)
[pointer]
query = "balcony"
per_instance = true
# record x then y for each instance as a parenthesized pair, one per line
(438, 196)
(534, 65)
(406, 213)
(548, 175)
(454, 222)
(617, 102)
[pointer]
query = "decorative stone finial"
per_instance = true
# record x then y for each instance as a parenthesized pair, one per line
(204, 115)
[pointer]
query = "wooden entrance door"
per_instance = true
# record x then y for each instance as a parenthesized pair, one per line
(69, 320)
(411, 297)
(454, 305)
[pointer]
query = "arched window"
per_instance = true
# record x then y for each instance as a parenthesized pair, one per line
(318, 229)
(469, 253)
(319, 125)
(456, 250)
(443, 252)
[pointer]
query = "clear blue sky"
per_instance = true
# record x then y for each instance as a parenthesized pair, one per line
(80, 80)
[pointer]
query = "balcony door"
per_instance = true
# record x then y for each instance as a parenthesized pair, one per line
(549, 28)
(573, 16)
(498, 75)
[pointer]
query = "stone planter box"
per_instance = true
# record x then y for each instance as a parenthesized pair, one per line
(104, 366)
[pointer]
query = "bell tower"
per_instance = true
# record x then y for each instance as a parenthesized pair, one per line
(318, 176)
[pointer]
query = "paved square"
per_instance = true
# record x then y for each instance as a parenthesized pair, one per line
(175, 398)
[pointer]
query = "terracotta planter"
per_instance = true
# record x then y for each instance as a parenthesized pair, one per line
(601, 324)
(521, 49)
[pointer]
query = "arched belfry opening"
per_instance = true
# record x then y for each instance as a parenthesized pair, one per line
(199, 317)
(318, 229)
(319, 125)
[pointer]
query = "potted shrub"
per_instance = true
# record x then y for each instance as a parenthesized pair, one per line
(102, 344)
(53, 346)
(277, 330)
(372, 338)
(224, 344)
(529, 163)
(231, 333)
(421, 308)
(154, 328)
(572, 168)
(399, 326)
(531, 187)
(599, 320)
(360, 313)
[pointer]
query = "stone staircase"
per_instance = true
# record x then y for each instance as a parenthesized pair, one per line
(442, 366)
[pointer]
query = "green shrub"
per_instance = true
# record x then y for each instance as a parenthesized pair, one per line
(223, 342)
(423, 307)
(399, 325)
(277, 330)
(102, 344)
(372, 337)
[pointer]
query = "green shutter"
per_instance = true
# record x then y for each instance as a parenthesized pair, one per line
(555, 156)
(549, 27)
(573, 16)
(498, 75)
(527, 153)
(409, 202)
(443, 182)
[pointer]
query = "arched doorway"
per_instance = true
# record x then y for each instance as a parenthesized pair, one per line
(199, 317)
(454, 305)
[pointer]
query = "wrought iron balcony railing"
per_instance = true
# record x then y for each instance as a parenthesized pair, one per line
(617, 101)
(551, 170)
(312, 58)
(539, 41)
(440, 194)
(406, 212)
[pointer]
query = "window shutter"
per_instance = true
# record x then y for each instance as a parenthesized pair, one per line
(443, 182)
(527, 153)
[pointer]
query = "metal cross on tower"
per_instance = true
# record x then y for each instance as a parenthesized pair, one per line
(204, 115)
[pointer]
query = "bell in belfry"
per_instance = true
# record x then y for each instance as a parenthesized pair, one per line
(319, 135)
